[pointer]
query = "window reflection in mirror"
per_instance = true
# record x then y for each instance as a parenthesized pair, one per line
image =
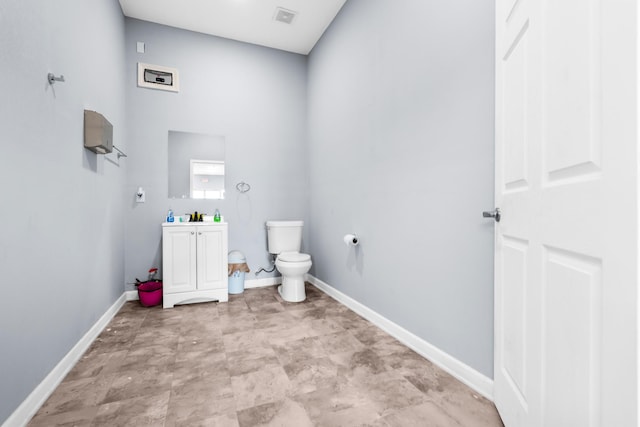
(196, 165)
(207, 179)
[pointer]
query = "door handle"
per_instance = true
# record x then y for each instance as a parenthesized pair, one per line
(495, 214)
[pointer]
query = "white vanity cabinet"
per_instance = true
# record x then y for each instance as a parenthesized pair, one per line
(194, 262)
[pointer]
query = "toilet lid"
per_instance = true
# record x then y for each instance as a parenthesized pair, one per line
(293, 257)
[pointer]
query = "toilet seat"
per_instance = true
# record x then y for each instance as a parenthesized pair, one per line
(293, 257)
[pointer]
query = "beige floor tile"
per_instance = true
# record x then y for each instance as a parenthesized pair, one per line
(264, 386)
(192, 400)
(251, 359)
(235, 306)
(79, 418)
(338, 396)
(109, 341)
(359, 416)
(275, 322)
(198, 327)
(310, 312)
(254, 299)
(426, 414)
(148, 410)
(77, 394)
(300, 350)
(228, 419)
(324, 326)
(141, 358)
(341, 342)
(390, 391)
(99, 364)
(349, 320)
(311, 374)
(262, 308)
(234, 323)
(369, 335)
(202, 341)
(283, 413)
(199, 357)
(361, 363)
(294, 331)
(244, 340)
(132, 384)
(467, 407)
(150, 337)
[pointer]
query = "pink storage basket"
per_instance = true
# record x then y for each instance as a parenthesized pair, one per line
(150, 293)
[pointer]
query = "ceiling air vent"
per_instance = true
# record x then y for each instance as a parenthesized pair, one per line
(284, 15)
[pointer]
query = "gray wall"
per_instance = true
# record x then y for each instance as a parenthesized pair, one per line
(400, 130)
(61, 250)
(253, 96)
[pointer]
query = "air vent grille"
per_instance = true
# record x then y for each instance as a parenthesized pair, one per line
(284, 15)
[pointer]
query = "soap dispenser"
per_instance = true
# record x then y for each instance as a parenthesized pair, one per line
(216, 216)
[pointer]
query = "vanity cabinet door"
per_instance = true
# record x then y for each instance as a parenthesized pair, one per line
(179, 259)
(212, 257)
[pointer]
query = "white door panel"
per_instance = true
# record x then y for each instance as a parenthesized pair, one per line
(566, 183)
(513, 334)
(572, 89)
(572, 324)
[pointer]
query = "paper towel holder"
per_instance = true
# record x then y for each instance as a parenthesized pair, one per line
(98, 133)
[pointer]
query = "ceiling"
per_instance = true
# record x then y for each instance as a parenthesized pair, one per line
(250, 21)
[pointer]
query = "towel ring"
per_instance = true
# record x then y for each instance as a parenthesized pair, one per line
(243, 187)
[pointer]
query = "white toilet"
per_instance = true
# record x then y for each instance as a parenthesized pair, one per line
(284, 238)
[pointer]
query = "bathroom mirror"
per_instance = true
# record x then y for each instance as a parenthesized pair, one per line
(196, 166)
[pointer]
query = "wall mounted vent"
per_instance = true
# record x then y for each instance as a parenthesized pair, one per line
(158, 77)
(284, 15)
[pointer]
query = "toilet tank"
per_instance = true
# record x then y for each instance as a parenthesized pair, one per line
(284, 236)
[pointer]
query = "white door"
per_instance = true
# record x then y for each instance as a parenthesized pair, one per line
(566, 183)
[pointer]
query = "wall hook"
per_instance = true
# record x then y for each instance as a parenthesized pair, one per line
(52, 79)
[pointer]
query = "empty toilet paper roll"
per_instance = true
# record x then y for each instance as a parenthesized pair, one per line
(350, 239)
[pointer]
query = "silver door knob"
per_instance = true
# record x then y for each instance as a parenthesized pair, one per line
(495, 214)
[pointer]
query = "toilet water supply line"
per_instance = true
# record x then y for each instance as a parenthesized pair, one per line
(273, 266)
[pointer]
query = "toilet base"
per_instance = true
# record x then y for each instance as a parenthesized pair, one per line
(292, 289)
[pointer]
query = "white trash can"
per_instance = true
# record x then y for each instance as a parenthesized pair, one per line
(237, 268)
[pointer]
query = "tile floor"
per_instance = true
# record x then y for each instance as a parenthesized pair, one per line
(257, 361)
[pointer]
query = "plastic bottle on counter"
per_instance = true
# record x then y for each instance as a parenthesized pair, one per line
(216, 216)
(170, 217)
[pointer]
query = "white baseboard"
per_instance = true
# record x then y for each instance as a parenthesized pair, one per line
(469, 376)
(260, 283)
(131, 295)
(28, 408)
